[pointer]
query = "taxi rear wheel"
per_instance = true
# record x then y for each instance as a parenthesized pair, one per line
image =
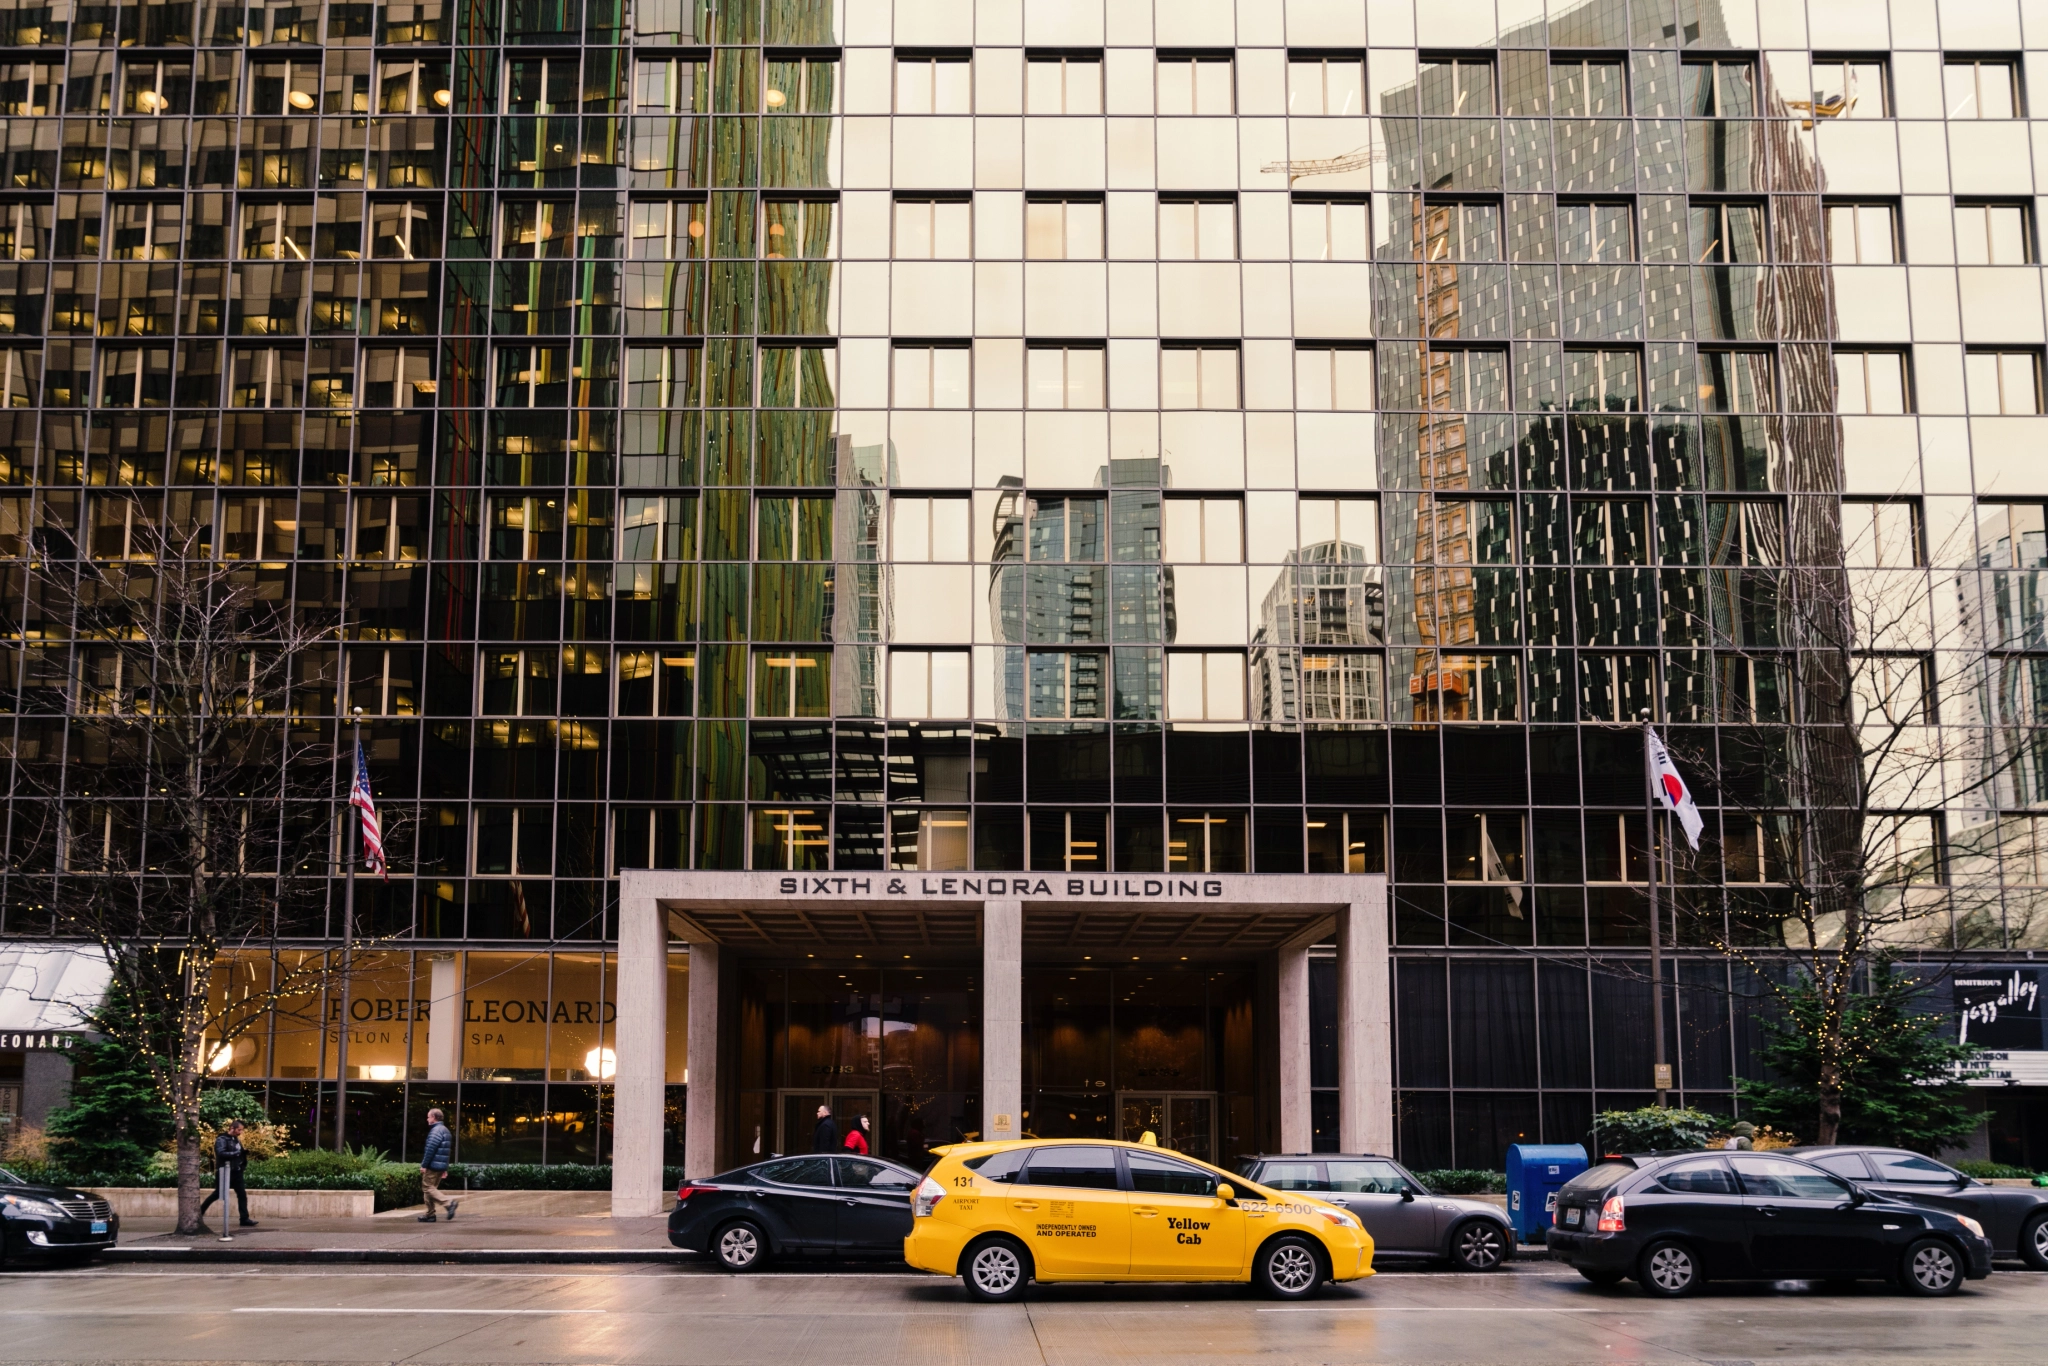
(1288, 1268)
(995, 1270)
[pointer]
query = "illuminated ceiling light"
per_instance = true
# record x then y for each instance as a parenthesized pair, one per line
(776, 99)
(601, 1063)
(223, 1057)
(443, 98)
(150, 101)
(697, 227)
(300, 100)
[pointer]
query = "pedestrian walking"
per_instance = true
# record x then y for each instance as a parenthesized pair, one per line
(857, 1136)
(825, 1138)
(434, 1166)
(230, 1156)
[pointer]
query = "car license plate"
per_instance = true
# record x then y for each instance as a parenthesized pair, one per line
(99, 1226)
(1572, 1217)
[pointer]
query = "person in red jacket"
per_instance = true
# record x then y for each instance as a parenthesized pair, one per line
(857, 1136)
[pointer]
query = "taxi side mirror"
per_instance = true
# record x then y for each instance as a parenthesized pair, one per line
(1226, 1192)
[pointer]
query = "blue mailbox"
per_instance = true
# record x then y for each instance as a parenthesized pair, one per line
(1535, 1172)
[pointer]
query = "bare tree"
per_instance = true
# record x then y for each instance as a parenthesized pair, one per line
(178, 797)
(1846, 800)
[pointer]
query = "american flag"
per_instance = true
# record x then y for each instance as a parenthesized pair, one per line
(373, 832)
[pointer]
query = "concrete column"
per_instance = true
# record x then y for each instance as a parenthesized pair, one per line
(700, 1126)
(1002, 1019)
(1297, 1123)
(444, 1018)
(1365, 1053)
(640, 1041)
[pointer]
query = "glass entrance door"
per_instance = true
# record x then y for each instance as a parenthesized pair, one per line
(1184, 1121)
(798, 1112)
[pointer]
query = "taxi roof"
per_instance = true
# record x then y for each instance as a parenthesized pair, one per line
(999, 1144)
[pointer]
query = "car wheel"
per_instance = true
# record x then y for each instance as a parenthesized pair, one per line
(1931, 1267)
(1669, 1269)
(1478, 1245)
(1603, 1276)
(740, 1246)
(1288, 1268)
(2034, 1242)
(995, 1271)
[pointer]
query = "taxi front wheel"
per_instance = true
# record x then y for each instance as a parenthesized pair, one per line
(1288, 1268)
(995, 1270)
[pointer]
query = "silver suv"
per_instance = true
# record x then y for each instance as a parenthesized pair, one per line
(1404, 1219)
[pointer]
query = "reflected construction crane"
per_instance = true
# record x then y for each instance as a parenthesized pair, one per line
(1357, 159)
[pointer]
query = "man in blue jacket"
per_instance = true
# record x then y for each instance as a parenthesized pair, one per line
(434, 1165)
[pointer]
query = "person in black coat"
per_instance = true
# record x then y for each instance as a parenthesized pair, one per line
(825, 1138)
(230, 1156)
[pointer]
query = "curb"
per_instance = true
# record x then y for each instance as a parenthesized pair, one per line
(393, 1255)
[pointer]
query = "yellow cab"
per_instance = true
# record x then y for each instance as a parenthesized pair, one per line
(1000, 1215)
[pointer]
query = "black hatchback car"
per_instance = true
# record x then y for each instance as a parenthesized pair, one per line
(53, 1221)
(1674, 1222)
(2015, 1218)
(818, 1205)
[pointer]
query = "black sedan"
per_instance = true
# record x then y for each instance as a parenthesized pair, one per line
(53, 1221)
(808, 1206)
(1675, 1222)
(2015, 1218)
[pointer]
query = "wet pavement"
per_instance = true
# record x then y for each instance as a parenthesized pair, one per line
(1533, 1312)
(400, 1235)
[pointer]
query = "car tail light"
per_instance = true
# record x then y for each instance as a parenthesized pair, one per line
(1611, 1220)
(929, 1193)
(686, 1190)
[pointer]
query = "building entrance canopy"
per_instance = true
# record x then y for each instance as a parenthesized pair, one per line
(998, 919)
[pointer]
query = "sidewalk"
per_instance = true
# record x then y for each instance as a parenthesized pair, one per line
(397, 1236)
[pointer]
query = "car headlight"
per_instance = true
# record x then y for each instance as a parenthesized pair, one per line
(1971, 1224)
(1341, 1218)
(29, 1205)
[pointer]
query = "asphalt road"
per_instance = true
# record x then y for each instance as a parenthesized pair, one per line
(511, 1316)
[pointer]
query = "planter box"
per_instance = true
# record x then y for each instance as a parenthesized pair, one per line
(161, 1202)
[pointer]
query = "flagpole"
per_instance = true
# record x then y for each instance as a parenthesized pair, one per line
(1663, 1071)
(348, 928)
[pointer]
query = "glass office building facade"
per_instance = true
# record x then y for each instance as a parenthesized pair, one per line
(1283, 436)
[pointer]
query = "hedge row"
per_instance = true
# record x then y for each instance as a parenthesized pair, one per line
(1463, 1181)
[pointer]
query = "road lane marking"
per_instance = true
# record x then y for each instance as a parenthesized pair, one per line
(370, 1310)
(1437, 1308)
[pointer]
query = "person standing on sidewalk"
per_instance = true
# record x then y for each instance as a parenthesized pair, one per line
(231, 1156)
(857, 1136)
(434, 1166)
(825, 1138)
